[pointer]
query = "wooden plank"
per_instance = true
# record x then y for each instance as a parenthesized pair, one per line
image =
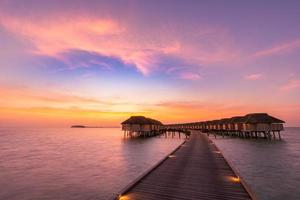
(196, 170)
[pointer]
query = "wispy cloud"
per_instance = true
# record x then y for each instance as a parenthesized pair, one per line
(279, 49)
(189, 76)
(184, 73)
(252, 77)
(291, 85)
(110, 37)
(20, 97)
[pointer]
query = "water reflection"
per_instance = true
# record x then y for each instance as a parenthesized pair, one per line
(73, 163)
(271, 168)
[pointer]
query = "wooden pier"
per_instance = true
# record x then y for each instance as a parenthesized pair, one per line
(196, 170)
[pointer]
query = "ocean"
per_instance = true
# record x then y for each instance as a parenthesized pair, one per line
(73, 163)
(270, 168)
(97, 163)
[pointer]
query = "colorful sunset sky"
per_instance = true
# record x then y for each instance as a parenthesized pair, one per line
(98, 62)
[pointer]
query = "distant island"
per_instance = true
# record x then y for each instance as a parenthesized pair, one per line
(78, 126)
(83, 126)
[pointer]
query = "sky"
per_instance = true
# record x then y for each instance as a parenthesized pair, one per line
(98, 62)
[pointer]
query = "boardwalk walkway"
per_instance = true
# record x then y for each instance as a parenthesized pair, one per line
(196, 171)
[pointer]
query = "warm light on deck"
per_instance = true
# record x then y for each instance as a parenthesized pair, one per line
(172, 156)
(234, 179)
(123, 197)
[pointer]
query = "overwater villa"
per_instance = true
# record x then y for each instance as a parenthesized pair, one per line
(257, 123)
(252, 125)
(140, 125)
(236, 123)
(262, 122)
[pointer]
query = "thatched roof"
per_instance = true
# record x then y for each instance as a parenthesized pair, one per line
(224, 121)
(214, 122)
(201, 123)
(141, 120)
(154, 121)
(237, 119)
(261, 118)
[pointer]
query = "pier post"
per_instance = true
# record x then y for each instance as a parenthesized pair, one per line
(279, 135)
(268, 135)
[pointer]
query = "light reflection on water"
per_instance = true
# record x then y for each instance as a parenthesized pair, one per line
(271, 168)
(73, 163)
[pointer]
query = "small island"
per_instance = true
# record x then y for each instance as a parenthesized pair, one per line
(78, 126)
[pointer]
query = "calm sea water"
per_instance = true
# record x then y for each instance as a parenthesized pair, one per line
(96, 163)
(271, 168)
(73, 163)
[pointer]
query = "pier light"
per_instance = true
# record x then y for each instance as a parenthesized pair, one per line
(235, 179)
(123, 197)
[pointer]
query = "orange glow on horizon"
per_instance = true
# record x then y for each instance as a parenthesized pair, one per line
(55, 116)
